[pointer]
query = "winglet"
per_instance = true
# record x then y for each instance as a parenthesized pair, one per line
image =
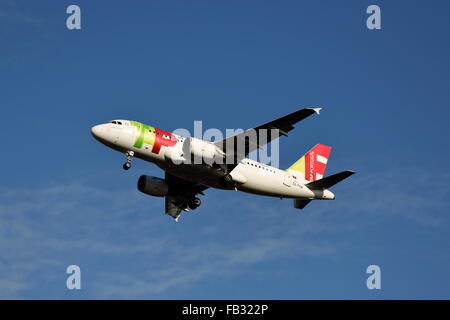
(317, 110)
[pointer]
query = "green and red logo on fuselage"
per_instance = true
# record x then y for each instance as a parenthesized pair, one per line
(153, 136)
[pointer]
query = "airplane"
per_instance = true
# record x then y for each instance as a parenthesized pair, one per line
(223, 164)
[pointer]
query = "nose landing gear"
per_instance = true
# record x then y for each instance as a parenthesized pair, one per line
(127, 165)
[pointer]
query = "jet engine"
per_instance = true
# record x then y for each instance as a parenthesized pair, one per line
(153, 186)
(201, 149)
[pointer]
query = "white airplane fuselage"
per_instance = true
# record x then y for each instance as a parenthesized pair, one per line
(166, 151)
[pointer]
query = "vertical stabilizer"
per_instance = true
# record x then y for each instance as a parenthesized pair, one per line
(311, 166)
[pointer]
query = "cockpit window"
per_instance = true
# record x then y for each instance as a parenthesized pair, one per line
(116, 122)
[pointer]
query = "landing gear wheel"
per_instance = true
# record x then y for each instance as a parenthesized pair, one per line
(227, 178)
(194, 203)
(126, 166)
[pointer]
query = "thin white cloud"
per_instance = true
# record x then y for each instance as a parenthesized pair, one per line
(43, 223)
(149, 254)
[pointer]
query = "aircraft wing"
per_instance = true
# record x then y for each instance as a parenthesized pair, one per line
(256, 138)
(180, 191)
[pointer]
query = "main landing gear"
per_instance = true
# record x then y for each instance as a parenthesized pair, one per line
(227, 178)
(127, 165)
(194, 203)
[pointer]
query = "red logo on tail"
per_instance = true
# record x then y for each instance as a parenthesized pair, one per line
(316, 161)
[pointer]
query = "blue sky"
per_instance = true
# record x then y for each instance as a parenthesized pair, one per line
(64, 198)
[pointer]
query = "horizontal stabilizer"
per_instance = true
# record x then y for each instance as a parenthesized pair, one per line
(300, 204)
(329, 181)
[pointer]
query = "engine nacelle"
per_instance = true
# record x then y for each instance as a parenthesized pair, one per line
(153, 186)
(205, 150)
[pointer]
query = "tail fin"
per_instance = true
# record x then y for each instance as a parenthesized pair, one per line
(311, 166)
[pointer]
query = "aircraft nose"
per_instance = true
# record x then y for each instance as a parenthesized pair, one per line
(99, 132)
